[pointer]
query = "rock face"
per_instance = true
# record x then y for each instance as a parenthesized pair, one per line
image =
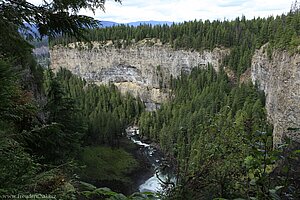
(143, 69)
(279, 78)
(42, 55)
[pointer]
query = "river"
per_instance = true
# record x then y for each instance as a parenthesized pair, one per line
(162, 170)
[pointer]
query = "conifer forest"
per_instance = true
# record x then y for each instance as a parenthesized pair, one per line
(63, 136)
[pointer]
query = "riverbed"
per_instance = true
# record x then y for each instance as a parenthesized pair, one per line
(162, 170)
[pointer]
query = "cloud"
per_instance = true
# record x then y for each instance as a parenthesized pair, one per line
(231, 3)
(185, 10)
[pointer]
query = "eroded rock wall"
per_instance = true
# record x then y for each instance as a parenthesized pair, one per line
(143, 69)
(279, 78)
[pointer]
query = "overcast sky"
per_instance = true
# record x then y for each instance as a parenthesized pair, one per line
(185, 10)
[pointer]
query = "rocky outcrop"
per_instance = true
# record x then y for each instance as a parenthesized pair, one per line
(279, 78)
(42, 55)
(143, 69)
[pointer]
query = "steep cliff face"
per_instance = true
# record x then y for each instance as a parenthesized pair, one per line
(143, 69)
(279, 78)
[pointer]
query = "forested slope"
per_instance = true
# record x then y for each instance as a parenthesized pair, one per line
(51, 125)
(211, 129)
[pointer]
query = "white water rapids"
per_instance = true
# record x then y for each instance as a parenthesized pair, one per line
(153, 184)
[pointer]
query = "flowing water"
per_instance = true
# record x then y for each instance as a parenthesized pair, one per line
(162, 169)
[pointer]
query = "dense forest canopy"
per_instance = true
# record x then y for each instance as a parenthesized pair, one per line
(209, 129)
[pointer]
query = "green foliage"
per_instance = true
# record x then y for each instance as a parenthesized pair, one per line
(59, 138)
(107, 164)
(23, 139)
(106, 193)
(69, 119)
(104, 109)
(17, 166)
(218, 136)
(8, 90)
(16, 112)
(31, 134)
(213, 130)
(44, 120)
(71, 116)
(50, 18)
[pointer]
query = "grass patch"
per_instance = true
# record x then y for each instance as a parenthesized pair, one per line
(107, 164)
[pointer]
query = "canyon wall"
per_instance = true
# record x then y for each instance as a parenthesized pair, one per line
(143, 69)
(279, 77)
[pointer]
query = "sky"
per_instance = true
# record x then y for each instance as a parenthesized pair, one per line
(186, 10)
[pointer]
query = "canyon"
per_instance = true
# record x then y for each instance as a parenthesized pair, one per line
(144, 69)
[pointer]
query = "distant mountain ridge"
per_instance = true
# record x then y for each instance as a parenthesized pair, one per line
(105, 24)
(137, 23)
(150, 22)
